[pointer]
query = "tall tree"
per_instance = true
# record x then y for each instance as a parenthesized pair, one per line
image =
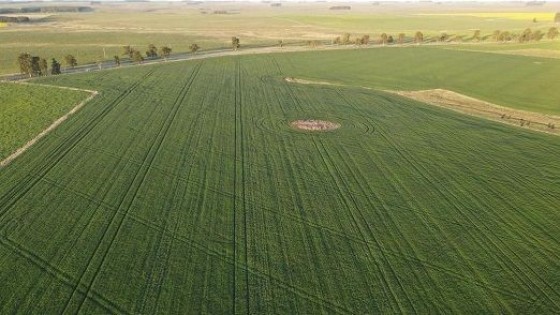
(194, 48)
(71, 61)
(552, 33)
(43, 66)
(55, 67)
(137, 57)
(128, 51)
(537, 35)
(345, 40)
(383, 38)
(152, 51)
(235, 43)
(496, 35)
(365, 40)
(418, 37)
(504, 36)
(24, 62)
(401, 38)
(476, 35)
(165, 52)
(526, 35)
(35, 65)
(390, 39)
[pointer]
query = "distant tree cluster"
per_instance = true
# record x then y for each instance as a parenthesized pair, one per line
(419, 38)
(529, 35)
(552, 33)
(71, 61)
(363, 40)
(45, 9)
(151, 53)
(36, 66)
(525, 36)
(14, 19)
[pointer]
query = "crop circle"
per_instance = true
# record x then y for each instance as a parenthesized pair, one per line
(314, 125)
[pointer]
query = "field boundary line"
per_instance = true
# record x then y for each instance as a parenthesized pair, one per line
(466, 105)
(52, 126)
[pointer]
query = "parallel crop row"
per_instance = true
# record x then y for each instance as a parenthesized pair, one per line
(183, 188)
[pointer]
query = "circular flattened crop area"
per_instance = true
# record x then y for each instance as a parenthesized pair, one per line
(314, 125)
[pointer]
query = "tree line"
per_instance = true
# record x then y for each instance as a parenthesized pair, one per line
(418, 37)
(151, 53)
(37, 66)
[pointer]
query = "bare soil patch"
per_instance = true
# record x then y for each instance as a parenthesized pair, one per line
(302, 81)
(314, 125)
(475, 107)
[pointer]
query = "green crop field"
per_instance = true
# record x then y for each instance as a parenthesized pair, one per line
(182, 188)
(528, 83)
(26, 110)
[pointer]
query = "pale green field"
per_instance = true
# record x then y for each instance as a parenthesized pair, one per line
(101, 35)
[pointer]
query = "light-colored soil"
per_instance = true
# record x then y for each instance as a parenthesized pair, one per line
(314, 125)
(302, 81)
(475, 107)
(50, 128)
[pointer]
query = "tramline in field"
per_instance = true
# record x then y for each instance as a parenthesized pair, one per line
(185, 188)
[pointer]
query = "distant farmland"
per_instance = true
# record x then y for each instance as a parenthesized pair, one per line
(184, 188)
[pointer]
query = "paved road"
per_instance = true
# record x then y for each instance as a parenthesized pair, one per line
(245, 50)
(110, 64)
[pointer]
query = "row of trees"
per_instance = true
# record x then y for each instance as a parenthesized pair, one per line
(500, 36)
(525, 36)
(37, 66)
(384, 39)
(151, 53)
